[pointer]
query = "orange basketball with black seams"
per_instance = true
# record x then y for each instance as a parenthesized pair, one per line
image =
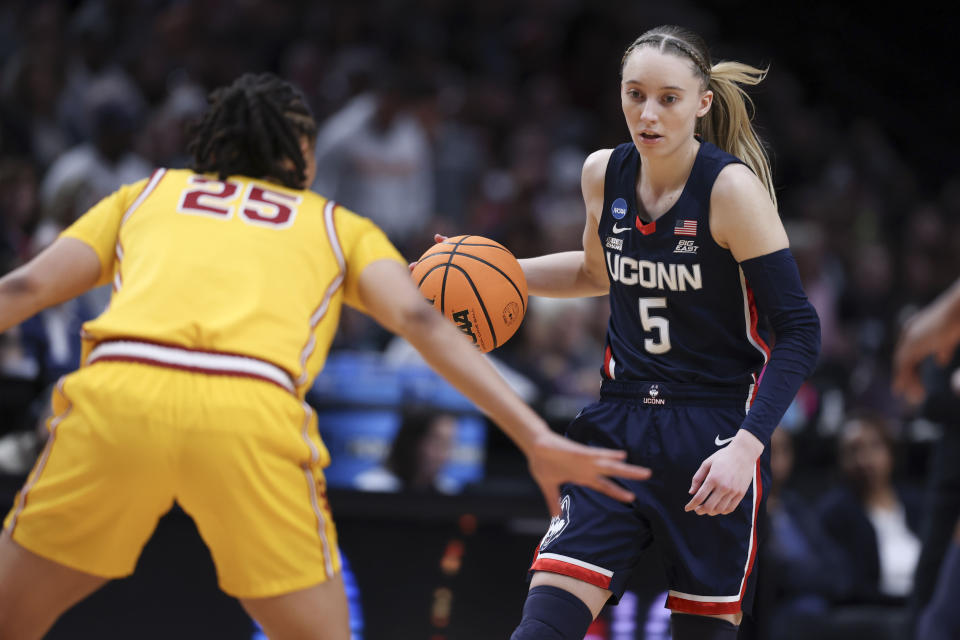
(476, 283)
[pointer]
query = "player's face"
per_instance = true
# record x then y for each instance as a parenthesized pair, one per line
(662, 97)
(437, 447)
(865, 457)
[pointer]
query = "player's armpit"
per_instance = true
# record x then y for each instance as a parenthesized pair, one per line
(62, 271)
(592, 187)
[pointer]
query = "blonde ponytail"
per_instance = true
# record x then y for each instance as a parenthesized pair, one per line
(728, 123)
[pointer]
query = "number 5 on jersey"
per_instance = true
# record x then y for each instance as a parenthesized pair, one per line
(258, 205)
(661, 343)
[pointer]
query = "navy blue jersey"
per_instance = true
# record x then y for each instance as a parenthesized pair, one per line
(680, 308)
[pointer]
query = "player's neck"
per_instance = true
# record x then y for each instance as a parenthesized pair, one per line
(668, 173)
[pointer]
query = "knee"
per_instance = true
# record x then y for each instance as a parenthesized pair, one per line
(550, 613)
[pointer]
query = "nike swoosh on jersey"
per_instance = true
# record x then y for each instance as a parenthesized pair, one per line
(722, 442)
(617, 229)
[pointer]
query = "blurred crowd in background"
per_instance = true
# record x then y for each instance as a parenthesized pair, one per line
(475, 117)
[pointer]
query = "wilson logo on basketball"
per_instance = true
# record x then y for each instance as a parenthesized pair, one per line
(510, 313)
(462, 318)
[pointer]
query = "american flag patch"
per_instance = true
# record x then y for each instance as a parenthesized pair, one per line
(685, 228)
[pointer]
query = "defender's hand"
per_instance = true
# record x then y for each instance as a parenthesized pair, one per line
(926, 333)
(436, 238)
(555, 460)
(722, 480)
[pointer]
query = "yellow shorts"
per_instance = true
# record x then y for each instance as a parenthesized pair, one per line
(240, 455)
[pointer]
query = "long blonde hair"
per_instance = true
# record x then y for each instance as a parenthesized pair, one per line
(728, 124)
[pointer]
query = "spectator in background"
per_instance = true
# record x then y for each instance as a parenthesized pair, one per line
(875, 525)
(165, 139)
(802, 569)
(423, 445)
(18, 216)
(559, 352)
(19, 449)
(92, 68)
(18, 209)
(99, 167)
(41, 350)
(52, 337)
(32, 82)
(374, 156)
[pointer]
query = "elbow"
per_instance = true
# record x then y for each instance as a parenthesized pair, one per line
(415, 319)
(20, 284)
(798, 332)
(597, 279)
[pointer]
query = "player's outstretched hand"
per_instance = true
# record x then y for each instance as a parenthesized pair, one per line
(436, 238)
(925, 334)
(722, 479)
(555, 460)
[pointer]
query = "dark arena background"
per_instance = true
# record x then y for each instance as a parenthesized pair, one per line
(484, 111)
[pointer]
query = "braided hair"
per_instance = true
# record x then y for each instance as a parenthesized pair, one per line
(253, 128)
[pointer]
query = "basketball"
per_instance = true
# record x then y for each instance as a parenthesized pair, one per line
(478, 285)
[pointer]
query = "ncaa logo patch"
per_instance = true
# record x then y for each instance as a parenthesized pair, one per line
(619, 208)
(557, 524)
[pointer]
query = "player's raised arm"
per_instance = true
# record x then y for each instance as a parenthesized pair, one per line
(391, 298)
(576, 274)
(62, 271)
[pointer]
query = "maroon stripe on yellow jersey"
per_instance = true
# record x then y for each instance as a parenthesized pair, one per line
(148, 188)
(41, 462)
(332, 288)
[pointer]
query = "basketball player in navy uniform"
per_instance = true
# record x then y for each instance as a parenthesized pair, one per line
(683, 232)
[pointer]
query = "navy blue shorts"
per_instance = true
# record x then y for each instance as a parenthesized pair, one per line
(671, 428)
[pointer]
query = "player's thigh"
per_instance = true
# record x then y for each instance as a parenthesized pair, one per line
(710, 560)
(34, 591)
(593, 596)
(319, 612)
(252, 479)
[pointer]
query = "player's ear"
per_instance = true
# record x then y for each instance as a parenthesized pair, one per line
(706, 101)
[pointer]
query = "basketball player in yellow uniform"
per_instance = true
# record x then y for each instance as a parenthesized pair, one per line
(227, 293)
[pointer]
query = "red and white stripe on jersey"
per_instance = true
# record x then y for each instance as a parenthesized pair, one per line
(715, 605)
(335, 283)
(609, 364)
(567, 566)
(148, 188)
(174, 357)
(312, 487)
(750, 319)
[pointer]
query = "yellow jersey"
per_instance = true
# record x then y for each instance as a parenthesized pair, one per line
(238, 266)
